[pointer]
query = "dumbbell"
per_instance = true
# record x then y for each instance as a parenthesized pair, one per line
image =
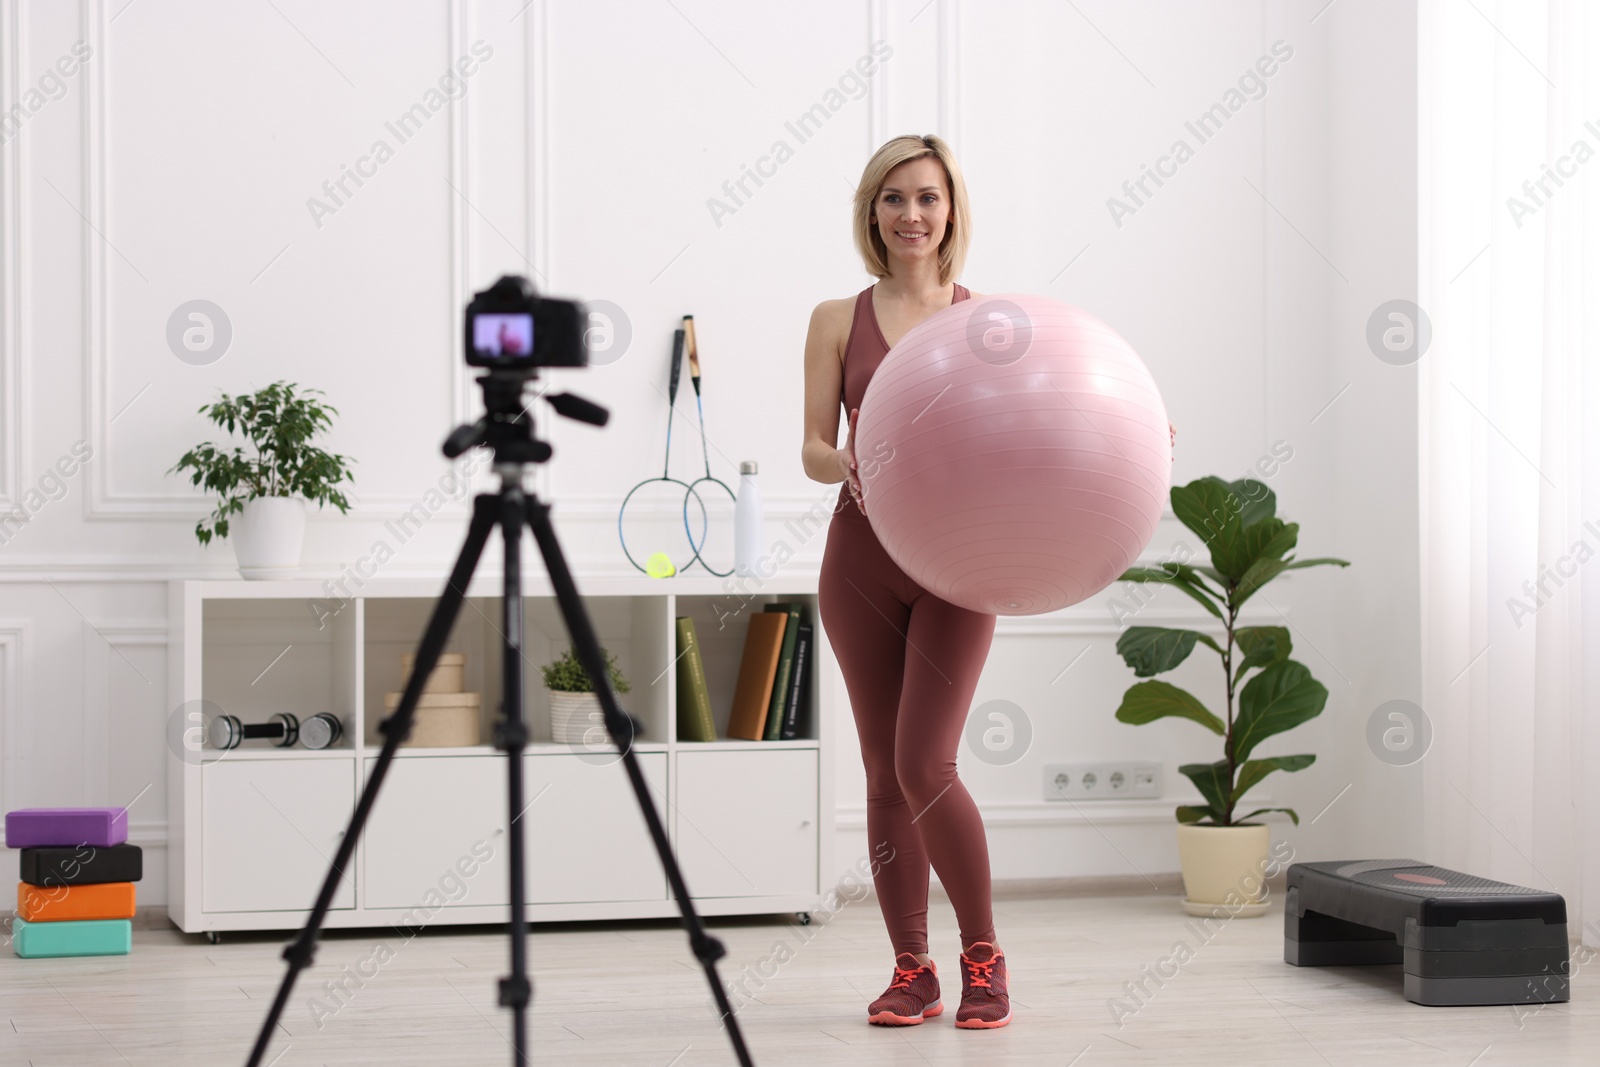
(227, 731)
(320, 731)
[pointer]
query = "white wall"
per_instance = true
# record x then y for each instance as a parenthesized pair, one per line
(178, 164)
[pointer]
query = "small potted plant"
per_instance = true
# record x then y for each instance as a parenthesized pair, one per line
(574, 706)
(1218, 848)
(267, 489)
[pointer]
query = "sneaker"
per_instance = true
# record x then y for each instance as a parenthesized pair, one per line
(912, 996)
(985, 1004)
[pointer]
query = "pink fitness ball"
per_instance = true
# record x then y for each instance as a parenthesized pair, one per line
(1014, 454)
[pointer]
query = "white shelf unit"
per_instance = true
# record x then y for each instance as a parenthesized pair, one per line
(252, 831)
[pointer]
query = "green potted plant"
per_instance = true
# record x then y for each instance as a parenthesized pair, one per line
(574, 706)
(268, 487)
(1218, 848)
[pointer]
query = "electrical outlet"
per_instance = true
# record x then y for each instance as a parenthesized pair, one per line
(1101, 781)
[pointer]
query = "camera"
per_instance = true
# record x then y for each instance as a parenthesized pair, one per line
(510, 327)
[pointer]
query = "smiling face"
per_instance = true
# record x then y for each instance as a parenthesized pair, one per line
(912, 210)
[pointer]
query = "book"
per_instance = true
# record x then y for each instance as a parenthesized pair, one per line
(780, 683)
(694, 699)
(799, 684)
(758, 667)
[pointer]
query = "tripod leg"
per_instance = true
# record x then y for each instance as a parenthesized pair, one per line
(515, 991)
(707, 949)
(299, 952)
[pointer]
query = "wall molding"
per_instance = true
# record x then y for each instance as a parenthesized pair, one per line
(105, 503)
(104, 569)
(1088, 619)
(592, 521)
(13, 305)
(591, 506)
(947, 70)
(100, 642)
(536, 169)
(877, 88)
(16, 726)
(461, 175)
(99, 503)
(1028, 814)
(136, 633)
(1025, 815)
(950, 73)
(536, 41)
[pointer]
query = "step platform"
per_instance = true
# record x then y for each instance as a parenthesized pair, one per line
(1462, 939)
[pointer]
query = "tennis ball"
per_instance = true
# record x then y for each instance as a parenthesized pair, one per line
(659, 566)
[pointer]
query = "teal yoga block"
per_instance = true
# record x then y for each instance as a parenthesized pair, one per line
(72, 937)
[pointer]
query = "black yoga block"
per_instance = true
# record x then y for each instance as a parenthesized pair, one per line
(1461, 939)
(82, 865)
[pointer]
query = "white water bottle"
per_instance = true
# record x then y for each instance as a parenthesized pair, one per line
(747, 522)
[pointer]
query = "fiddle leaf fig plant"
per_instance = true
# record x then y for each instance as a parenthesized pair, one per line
(279, 423)
(1249, 547)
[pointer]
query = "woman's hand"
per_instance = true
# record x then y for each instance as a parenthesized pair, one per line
(846, 457)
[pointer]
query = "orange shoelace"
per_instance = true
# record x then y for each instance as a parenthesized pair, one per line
(903, 977)
(980, 971)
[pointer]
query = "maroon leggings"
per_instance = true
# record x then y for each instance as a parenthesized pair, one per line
(910, 662)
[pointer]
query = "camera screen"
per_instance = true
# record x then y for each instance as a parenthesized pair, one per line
(503, 335)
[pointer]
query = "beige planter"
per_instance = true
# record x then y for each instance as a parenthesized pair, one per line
(449, 674)
(442, 720)
(1224, 868)
(573, 715)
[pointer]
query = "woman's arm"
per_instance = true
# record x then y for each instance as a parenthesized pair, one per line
(824, 375)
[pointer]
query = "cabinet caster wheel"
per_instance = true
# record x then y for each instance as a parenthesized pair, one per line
(214, 937)
(804, 917)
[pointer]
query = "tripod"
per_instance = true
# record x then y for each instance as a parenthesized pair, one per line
(507, 431)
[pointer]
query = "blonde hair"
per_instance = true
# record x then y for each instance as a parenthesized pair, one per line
(958, 234)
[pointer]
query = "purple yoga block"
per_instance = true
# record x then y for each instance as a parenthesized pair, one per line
(66, 827)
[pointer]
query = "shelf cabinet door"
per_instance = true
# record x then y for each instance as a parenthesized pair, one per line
(270, 831)
(586, 839)
(747, 822)
(435, 837)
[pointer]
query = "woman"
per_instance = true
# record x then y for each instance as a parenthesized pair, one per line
(910, 659)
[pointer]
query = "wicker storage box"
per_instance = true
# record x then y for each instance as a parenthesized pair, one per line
(449, 674)
(443, 720)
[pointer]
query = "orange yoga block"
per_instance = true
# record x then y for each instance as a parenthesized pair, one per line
(104, 900)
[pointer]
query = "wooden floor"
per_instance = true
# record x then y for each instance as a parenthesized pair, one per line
(631, 993)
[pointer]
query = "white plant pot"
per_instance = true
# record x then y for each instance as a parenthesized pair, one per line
(267, 536)
(573, 715)
(1224, 868)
